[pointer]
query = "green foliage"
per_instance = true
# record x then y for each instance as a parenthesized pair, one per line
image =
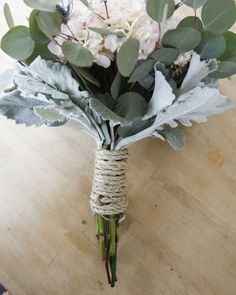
(230, 52)
(116, 85)
(224, 70)
(160, 10)
(182, 38)
(8, 16)
(165, 55)
(18, 43)
(195, 4)
(131, 106)
(218, 16)
(40, 50)
(43, 5)
(212, 46)
(77, 54)
(49, 23)
(142, 70)
(105, 32)
(192, 22)
(127, 57)
(36, 34)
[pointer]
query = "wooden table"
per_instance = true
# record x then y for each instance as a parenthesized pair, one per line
(180, 233)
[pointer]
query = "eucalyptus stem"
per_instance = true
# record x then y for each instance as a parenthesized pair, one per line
(106, 8)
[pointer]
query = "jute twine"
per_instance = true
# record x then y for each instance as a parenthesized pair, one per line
(108, 195)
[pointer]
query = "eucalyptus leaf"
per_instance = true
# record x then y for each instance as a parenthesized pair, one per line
(116, 85)
(36, 34)
(160, 10)
(218, 16)
(105, 32)
(8, 16)
(77, 54)
(165, 55)
(225, 69)
(49, 23)
(195, 4)
(43, 5)
(42, 51)
(230, 52)
(127, 57)
(131, 106)
(175, 137)
(142, 70)
(88, 76)
(18, 43)
(193, 22)
(182, 38)
(212, 46)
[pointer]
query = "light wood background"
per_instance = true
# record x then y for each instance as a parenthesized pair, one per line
(179, 237)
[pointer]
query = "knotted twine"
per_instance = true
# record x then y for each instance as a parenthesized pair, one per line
(108, 196)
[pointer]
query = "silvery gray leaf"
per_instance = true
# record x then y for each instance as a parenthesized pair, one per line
(107, 114)
(55, 75)
(6, 78)
(162, 96)
(198, 70)
(175, 137)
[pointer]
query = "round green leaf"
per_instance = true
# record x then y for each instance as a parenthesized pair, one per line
(160, 10)
(230, 52)
(195, 4)
(43, 5)
(49, 23)
(192, 22)
(183, 38)
(132, 106)
(40, 50)
(165, 55)
(218, 16)
(212, 46)
(36, 34)
(225, 69)
(77, 54)
(127, 57)
(8, 16)
(18, 43)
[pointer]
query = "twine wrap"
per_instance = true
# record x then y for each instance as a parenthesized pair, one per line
(108, 195)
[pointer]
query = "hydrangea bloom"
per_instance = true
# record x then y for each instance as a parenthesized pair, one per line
(128, 17)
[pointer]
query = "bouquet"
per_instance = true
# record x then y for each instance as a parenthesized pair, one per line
(124, 70)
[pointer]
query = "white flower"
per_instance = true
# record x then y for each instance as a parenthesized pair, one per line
(126, 16)
(183, 58)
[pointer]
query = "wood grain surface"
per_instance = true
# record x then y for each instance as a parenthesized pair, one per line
(180, 233)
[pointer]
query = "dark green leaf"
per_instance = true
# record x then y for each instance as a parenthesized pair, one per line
(225, 69)
(132, 106)
(87, 75)
(183, 38)
(212, 46)
(218, 16)
(18, 43)
(160, 10)
(40, 50)
(116, 85)
(49, 23)
(77, 54)
(8, 16)
(230, 52)
(105, 32)
(127, 57)
(193, 22)
(36, 34)
(165, 55)
(142, 70)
